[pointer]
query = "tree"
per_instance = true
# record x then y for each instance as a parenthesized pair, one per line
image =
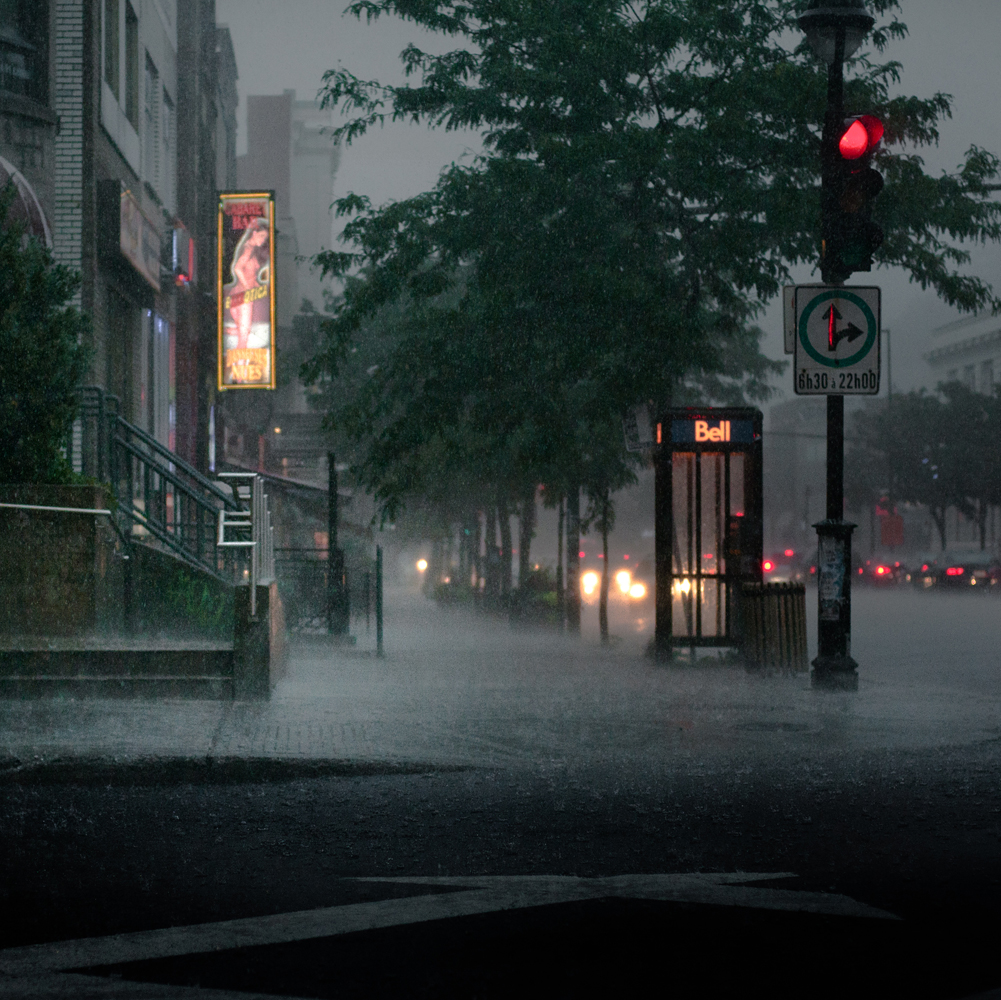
(941, 450)
(973, 434)
(652, 169)
(42, 358)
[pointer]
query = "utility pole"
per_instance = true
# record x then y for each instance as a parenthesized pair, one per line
(834, 29)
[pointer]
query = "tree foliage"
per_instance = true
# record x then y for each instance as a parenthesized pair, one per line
(652, 171)
(939, 450)
(42, 360)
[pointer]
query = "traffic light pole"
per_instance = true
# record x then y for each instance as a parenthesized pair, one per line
(834, 666)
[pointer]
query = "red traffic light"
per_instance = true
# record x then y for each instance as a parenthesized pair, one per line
(860, 137)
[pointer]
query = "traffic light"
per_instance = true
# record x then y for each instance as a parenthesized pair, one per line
(850, 235)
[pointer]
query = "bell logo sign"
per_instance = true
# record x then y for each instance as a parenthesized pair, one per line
(703, 432)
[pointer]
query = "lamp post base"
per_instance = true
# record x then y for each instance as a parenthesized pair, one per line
(834, 673)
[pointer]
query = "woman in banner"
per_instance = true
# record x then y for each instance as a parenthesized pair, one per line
(251, 273)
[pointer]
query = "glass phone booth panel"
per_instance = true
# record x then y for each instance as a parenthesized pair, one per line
(713, 460)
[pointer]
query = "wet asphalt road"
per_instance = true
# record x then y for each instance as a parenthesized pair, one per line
(475, 750)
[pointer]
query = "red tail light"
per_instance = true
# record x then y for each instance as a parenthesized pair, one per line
(954, 571)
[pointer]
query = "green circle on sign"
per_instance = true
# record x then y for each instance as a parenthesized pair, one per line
(861, 352)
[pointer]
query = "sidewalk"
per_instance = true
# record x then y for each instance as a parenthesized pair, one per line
(465, 690)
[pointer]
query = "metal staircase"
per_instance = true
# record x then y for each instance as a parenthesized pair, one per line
(159, 498)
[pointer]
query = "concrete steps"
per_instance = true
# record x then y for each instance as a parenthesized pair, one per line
(205, 671)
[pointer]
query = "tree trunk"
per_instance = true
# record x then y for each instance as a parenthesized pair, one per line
(603, 599)
(493, 571)
(462, 573)
(505, 533)
(559, 568)
(477, 545)
(573, 561)
(526, 533)
(982, 523)
(436, 567)
(470, 549)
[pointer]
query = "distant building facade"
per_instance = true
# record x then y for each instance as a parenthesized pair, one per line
(207, 135)
(93, 110)
(969, 351)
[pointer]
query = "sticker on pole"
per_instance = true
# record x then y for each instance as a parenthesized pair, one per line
(837, 341)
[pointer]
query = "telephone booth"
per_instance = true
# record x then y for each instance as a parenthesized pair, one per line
(708, 523)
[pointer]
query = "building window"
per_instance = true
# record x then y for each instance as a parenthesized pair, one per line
(987, 377)
(167, 149)
(151, 125)
(131, 66)
(24, 48)
(112, 66)
(970, 377)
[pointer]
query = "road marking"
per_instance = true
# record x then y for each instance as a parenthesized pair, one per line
(472, 895)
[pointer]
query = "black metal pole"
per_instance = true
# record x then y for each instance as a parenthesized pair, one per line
(332, 574)
(834, 666)
(663, 533)
(835, 457)
(378, 601)
(572, 597)
(338, 614)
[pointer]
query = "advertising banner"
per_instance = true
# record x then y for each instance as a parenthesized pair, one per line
(245, 290)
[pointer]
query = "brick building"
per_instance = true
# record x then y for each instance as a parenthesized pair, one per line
(96, 98)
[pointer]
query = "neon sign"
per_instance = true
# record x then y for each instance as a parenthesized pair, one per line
(699, 431)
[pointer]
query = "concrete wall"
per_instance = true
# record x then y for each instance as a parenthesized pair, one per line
(62, 573)
(259, 653)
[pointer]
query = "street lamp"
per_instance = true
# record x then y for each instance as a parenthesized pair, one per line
(834, 29)
(824, 20)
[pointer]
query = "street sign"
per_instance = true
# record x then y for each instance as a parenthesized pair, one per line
(837, 341)
(789, 319)
(638, 428)
(789, 315)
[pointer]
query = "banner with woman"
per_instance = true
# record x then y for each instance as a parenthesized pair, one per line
(246, 290)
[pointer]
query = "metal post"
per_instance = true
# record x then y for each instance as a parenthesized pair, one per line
(378, 601)
(834, 666)
(572, 597)
(663, 533)
(338, 615)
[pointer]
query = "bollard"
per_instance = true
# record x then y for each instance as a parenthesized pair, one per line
(773, 626)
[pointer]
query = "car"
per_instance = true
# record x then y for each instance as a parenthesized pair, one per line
(783, 566)
(961, 571)
(878, 572)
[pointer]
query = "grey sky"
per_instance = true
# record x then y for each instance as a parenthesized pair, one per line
(952, 47)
